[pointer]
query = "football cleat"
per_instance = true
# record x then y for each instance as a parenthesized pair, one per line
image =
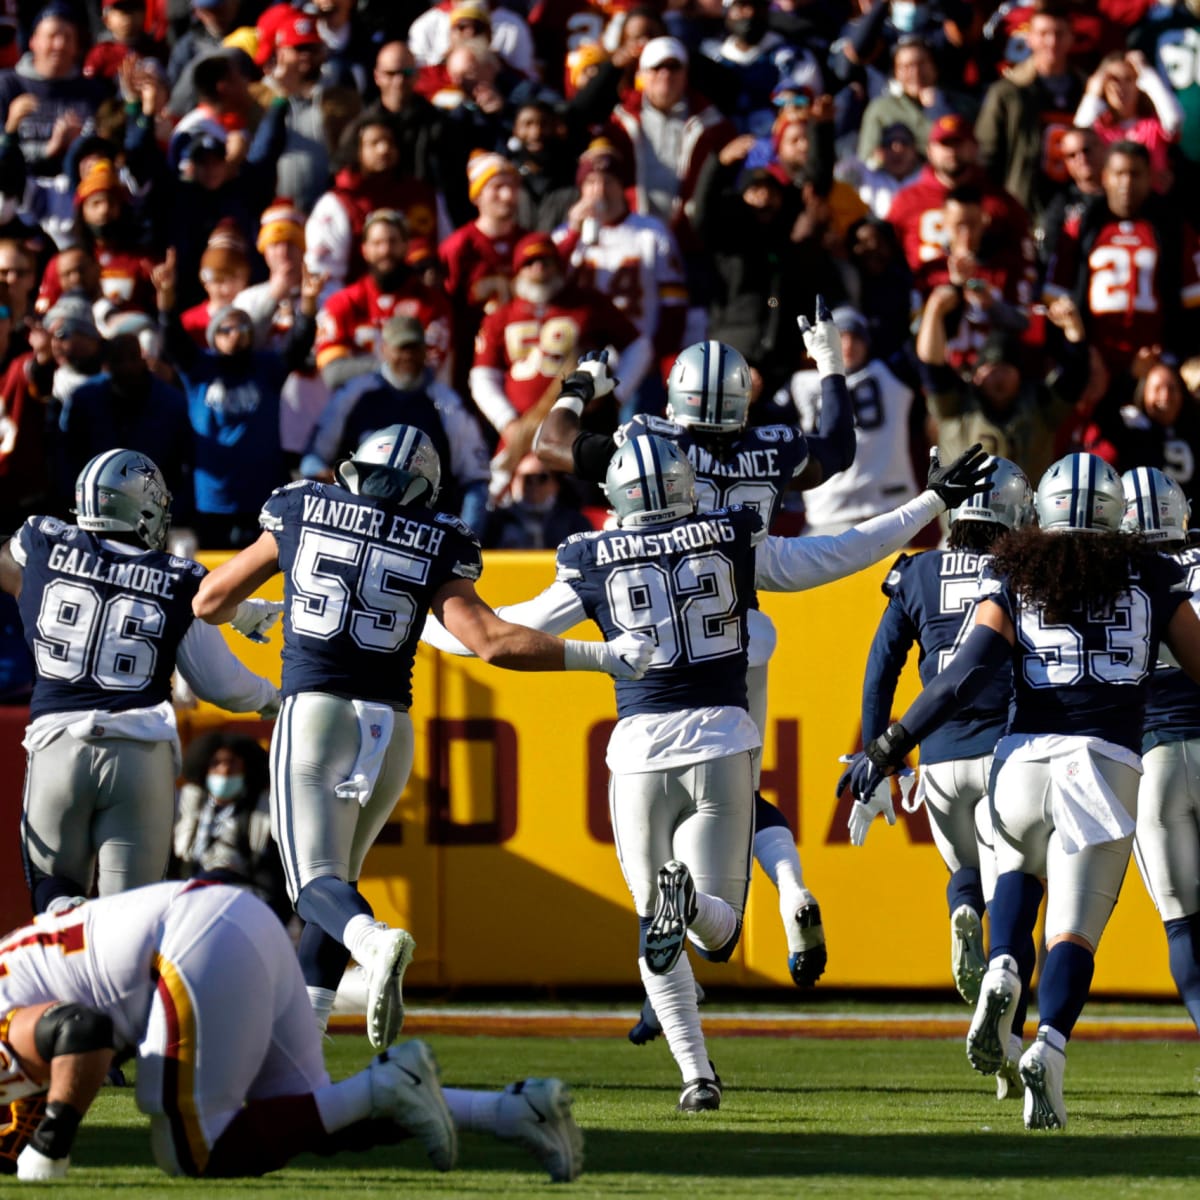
(807, 964)
(405, 1087)
(991, 1026)
(536, 1113)
(967, 959)
(674, 912)
(1042, 1068)
(1008, 1078)
(701, 1095)
(385, 960)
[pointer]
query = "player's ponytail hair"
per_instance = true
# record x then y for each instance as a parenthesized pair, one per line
(1066, 572)
(979, 536)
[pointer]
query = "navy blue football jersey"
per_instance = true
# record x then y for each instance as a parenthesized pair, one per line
(689, 583)
(1173, 705)
(102, 624)
(931, 601)
(1089, 676)
(359, 576)
(754, 473)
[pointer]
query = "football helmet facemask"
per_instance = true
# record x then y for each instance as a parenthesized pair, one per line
(398, 464)
(122, 491)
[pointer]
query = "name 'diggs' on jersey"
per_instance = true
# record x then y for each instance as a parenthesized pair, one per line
(103, 620)
(932, 601)
(688, 584)
(359, 578)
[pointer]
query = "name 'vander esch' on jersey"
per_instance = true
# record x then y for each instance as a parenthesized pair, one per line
(83, 564)
(693, 536)
(368, 522)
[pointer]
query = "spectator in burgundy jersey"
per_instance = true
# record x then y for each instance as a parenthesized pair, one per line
(370, 178)
(124, 35)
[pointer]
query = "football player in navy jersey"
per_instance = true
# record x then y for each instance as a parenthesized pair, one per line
(1078, 609)
(1167, 843)
(708, 396)
(682, 754)
(931, 602)
(107, 616)
(364, 560)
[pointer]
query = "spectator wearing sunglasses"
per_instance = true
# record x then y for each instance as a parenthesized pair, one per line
(534, 515)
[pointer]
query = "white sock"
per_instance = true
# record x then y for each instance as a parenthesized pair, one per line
(777, 855)
(474, 1112)
(674, 998)
(714, 924)
(321, 1000)
(357, 931)
(341, 1104)
(1053, 1037)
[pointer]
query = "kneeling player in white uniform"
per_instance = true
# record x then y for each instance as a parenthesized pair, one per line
(680, 757)
(1078, 609)
(1167, 843)
(107, 614)
(200, 981)
(364, 561)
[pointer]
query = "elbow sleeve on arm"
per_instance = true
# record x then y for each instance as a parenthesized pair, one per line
(591, 454)
(834, 445)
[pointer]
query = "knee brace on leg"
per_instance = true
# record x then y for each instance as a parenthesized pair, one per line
(72, 1029)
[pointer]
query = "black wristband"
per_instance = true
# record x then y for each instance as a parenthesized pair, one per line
(56, 1133)
(887, 751)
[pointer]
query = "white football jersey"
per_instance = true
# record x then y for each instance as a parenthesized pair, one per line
(881, 475)
(636, 264)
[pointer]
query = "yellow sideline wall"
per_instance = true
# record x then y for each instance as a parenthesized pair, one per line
(499, 859)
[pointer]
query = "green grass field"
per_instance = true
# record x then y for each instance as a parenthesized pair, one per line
(801, 1117)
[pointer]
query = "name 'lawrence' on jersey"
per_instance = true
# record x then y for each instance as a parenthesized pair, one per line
(754, 472)
(932, 601)
(102, 619)
(1089, 676)
(359, 576)
(689, 584)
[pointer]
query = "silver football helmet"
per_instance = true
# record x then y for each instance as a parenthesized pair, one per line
(708, 390)
(650, 482)
(398, 463)
(1008, 500)
(1080, 494)
(122, 491)
(1155, 506)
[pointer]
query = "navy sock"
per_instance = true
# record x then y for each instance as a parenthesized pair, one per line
(330, 902)
(965, 887)
(49, 888)
(1013, 912)
(1183, 938)
(1026, 956)
(766, 814)
(1064, 985)
(323, 958)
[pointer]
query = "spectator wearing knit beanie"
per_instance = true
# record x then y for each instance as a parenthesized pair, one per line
(224, 272)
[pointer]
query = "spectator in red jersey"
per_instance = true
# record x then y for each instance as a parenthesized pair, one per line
(669, 133)
(1024, 117)
(917, 211)
(125, 35)
(1127, 100)
(370, 179)
(1130, 267)
(478, 257)
(224, 273)
(349, 323)
(105, 228)
(526, 347)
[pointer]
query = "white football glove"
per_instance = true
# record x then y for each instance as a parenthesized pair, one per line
(34, 1167)
(626, 657)
(861, 815)
(823, 341)
(254, 617)
(597, 367)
